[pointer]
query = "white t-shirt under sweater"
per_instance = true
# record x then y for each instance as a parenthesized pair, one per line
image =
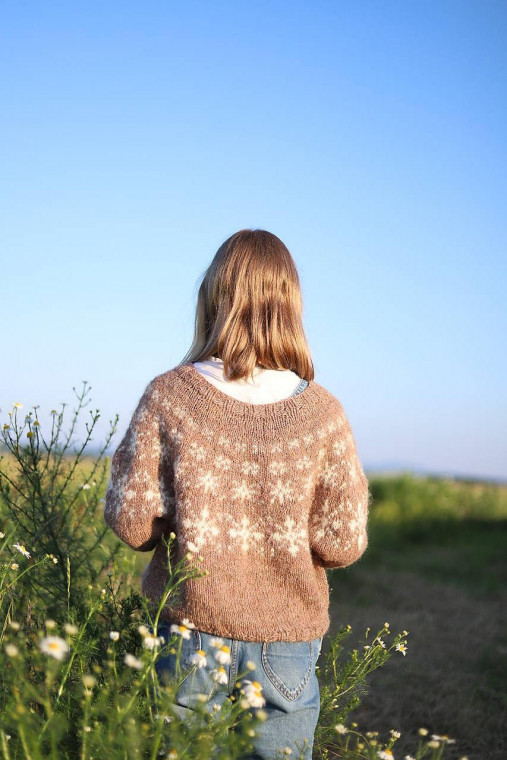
(266, 385)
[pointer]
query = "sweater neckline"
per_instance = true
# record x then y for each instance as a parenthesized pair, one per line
(291, 406)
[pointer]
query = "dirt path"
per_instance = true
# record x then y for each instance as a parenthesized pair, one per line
(453, 679)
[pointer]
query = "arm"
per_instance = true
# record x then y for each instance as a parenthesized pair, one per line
(139, 496)
(338, 521)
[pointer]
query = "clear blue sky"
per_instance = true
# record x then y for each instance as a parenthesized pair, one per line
(369, 136)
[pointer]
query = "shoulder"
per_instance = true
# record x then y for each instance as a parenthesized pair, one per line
(164, 386)
(328, 400)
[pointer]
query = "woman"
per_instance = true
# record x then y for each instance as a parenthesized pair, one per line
(253, 465)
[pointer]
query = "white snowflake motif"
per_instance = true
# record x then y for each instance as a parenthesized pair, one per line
(208, 481)
(224, 441)
(277, 468)
(304, 463)
(243, 490)
(339, 448)
(197, 452)
(329, 475)
(276, 449)
(294, 444)
(222, 463)
(281, 492)
(203, 529)
(321, 433)
(321, 521)
(246, 534)
(309, 439)
(292, 536)
(249, 468)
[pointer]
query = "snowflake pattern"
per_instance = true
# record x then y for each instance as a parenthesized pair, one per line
(291, 536)
(214, 486)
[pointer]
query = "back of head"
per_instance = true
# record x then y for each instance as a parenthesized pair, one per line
(249, 308)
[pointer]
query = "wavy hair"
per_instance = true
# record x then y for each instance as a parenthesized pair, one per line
(249, 309)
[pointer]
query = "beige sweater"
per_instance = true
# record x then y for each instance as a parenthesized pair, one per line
(269, 495)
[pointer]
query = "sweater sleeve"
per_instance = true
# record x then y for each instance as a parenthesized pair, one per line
(139, 498)
(338, 520)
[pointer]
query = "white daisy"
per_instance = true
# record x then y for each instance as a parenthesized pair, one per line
(132, 662)
(114, 635)
(55, 646)
(219, 675)
(199, 658)
(181, 630)
(21, 548)
(223, 655)
(253, 695)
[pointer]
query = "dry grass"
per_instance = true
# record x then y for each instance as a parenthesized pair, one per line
(453, 679)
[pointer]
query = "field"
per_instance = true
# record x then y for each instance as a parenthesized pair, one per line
(435, 566)
(443, 578)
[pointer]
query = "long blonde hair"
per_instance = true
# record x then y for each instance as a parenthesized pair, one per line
(249, 309)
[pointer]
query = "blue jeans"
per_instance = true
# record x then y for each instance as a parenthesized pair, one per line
(285, 670)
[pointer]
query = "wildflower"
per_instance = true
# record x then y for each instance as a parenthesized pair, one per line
(29, 434)
(380, 642)
(251, 665)
(21, 548)
(71, 629)
(150, 642)
(385, 754)
(219, 675)
(403, 649)
(87, 729)
(50, 624)
(2, 535)
(216, 642)
(423, 731)
(408, 757)
(114, 635)
(36, 423)
(85, 486)
(6, 427)
(173, 754)
(433, 744)
(14, 566)
(143, 630)
(443, 738)
(11, 650)
(341, 729)
(223, 655)
(404, 633)
(253, 696)
(132, 662)
(386, 625)
(55, 646)
(199, 658)
(14, 625)
(287, 751)
(262, 715)
(18, 405)
(367, 646)
(395, 734)
(181, 630)
(187, 623)
(89, 680)
(217, 707)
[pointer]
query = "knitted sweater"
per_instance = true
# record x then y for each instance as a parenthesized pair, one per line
(269, 495)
